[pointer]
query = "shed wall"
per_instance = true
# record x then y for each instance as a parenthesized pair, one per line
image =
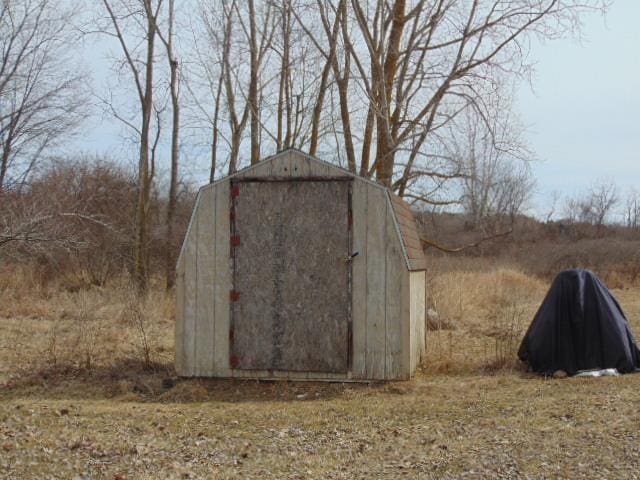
(385, 295)
(418, 326)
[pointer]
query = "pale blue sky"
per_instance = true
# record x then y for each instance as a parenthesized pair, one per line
(583, 115)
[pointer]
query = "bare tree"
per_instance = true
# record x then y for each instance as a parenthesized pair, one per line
(41, 95)
(600, 201)
(595, 205)
(134, 24)
(240, 35)
(555, 197)
(492, 158)
(571, 209)
(425, 62)
(632, 209)
(375, 82)
(67, 215)
(174, 90)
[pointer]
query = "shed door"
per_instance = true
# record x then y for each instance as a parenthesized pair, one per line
(292, 295)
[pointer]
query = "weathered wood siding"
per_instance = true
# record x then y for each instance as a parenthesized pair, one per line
(418, 326)
(387, 299)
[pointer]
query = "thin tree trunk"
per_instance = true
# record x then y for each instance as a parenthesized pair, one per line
(214, 133)
(175, 153)
(4, 166)
(142, 242)
(385, 152)
(233, 154)
(253, 88)
(324, 77)
(366, 142)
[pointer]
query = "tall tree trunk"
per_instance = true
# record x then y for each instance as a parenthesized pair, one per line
(175, 154)
(4, 165)
(366, 142)
(385, 154)
(142, 241)
(214, 133)
(253, 87)
(324, 77)
(233, 154)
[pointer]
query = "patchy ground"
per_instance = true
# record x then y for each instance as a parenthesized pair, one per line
(115, 418)
(502, 426)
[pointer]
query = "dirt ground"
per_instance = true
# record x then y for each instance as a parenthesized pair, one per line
(118, 418)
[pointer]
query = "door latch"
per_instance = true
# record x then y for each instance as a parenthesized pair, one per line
(349, 258)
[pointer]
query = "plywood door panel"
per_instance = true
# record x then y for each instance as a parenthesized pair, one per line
(291, 279)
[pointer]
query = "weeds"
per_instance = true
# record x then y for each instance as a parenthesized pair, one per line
(52, 329)
(136, 314)
(478, 318)
(88, 329)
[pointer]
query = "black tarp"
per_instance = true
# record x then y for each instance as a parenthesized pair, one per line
(579, 326)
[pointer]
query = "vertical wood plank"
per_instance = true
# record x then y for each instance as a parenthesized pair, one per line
(412, 323)
(262, 169)
(222, 282)
(406, 371)
(204, 344)
(318, 168)
(358, 279)
(418, 318)
(281, 165)
(425, 318)
(179, 325)
(376, 283)
(190, 295)
(395, 273)
(300, 165)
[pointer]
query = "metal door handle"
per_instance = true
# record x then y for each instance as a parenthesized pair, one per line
(349, 258)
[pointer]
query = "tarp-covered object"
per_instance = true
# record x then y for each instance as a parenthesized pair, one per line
(579, 326)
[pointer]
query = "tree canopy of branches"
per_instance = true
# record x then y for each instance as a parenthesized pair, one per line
(595, 206)
(41, 95)
(413, 93)
(136, 27)
(374, 85)
(493, 161)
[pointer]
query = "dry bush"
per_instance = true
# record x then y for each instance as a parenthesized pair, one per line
(490, 308)
(143, 316)
(467, 297)
(541, 249)
(614, 260)
(508, 323)
(74, 223)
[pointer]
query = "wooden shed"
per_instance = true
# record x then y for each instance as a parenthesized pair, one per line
(295, 268)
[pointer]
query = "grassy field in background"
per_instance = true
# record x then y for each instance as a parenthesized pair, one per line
(80, 399)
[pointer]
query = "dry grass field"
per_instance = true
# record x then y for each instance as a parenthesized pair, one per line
(82, 396)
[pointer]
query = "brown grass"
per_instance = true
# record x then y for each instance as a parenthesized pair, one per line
(487, 312)
(78, 399)
(49, 327)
